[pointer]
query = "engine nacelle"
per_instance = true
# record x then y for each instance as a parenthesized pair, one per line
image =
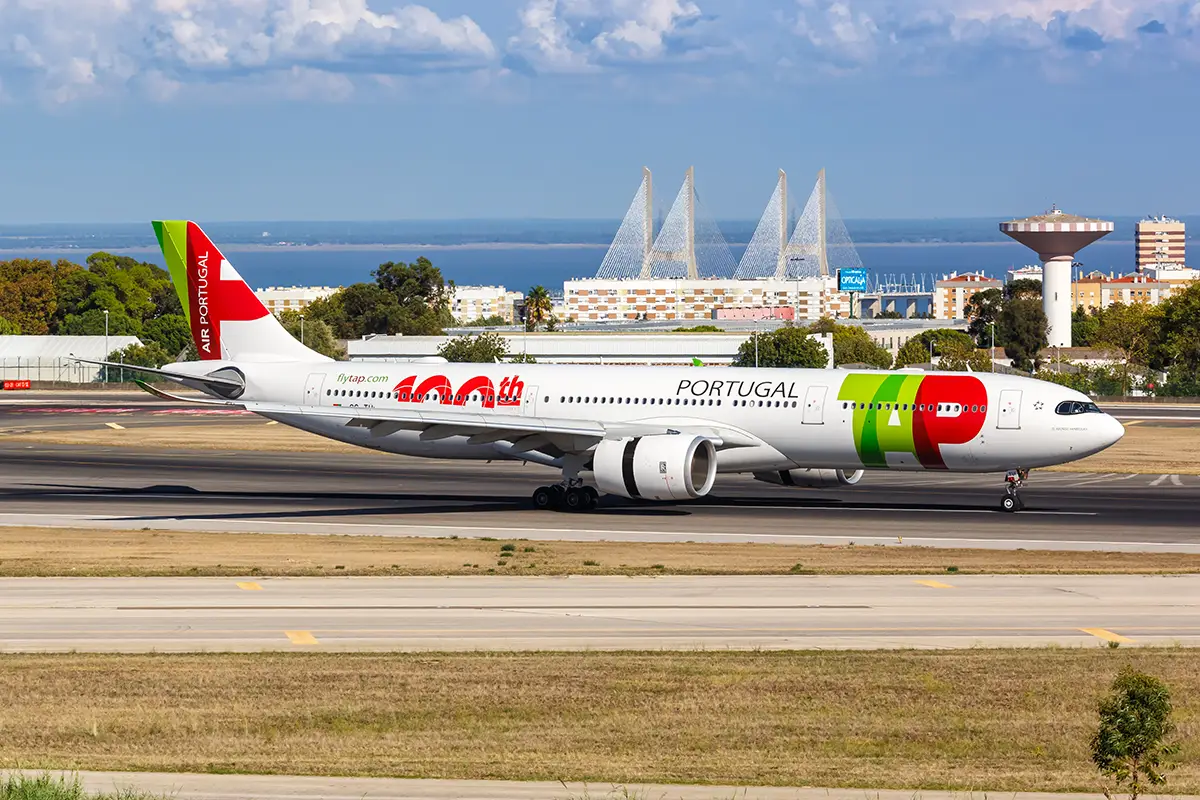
(811, 478)
(660, 467)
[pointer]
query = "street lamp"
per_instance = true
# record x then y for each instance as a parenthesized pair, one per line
(992, 351)
(756, 341)
(106, 344)
(301, 327)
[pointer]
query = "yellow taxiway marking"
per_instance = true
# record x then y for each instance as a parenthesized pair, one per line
(1108, 636)
(115, 426)
(273, 422)
(301, 637)
(935, 584)
(250, 586)
(1134, 422)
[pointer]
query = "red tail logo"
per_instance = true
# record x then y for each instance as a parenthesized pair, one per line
(213, 300)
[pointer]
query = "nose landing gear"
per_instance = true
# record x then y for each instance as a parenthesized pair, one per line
(1014, 480)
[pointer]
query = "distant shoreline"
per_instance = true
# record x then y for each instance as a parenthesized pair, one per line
(334, 248)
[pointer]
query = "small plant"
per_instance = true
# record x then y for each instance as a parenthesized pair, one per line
(528, 549)
(487, 538)
(501, 563)
(1130, 747)
(508, 548)
(1113, 644)
(339, 566)
(797, 567)
(658, 566)
(951, 569)
(590, 563)
(466, 565)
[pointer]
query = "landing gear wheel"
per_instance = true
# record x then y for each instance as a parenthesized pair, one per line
(576, 499)
(1011, 503)
(543, 498)
(1013, 481)
(593, 497)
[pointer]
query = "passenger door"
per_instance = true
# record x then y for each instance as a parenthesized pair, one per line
(312, 389)
(814, 406)
(1010, 409)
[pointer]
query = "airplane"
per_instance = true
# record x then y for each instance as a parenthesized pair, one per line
(651, 433)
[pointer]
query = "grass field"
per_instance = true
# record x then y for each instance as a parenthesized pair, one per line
(1153, 450)
(79, 552)
(1003, 720)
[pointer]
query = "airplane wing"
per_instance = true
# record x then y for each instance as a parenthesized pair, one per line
(551, 436)
(229, 384)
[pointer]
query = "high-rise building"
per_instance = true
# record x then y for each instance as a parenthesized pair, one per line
(1160, 240)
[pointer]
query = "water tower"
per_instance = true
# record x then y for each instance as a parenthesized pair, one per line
(1056, 237)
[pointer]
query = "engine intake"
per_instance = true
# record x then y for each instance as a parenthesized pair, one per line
(811, 478)
(659, 467)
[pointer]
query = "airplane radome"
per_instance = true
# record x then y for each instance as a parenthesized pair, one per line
(657, 433)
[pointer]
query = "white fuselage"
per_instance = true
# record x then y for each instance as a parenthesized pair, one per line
(794, 418)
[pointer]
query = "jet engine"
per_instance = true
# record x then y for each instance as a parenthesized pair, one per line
(659, 467)
(811, 478)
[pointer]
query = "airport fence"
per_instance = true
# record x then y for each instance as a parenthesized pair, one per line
(55, 371)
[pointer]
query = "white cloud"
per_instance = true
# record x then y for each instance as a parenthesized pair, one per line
(856, 33)
(65, 49)
(585, 35)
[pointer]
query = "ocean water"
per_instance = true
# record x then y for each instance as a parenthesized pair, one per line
(519, 266)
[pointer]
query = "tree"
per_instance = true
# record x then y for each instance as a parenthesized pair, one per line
(1131, 332)
(1023, 289)
(1178, 347)
(1084, 325)
(494, 321)
(27, 293)
(944, 340)
(143, 355)
(889, 315)
(312, 333)
(538, 306)
(853, 345)
(983, 309)
(483, 348)
(1022, 327)
(170, 331)
(1131, 745)
(8, 328)
(697, 329)
(786, 347)
(957, 357)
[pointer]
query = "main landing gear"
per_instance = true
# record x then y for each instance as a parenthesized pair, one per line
(1014, 479)
(559, 497)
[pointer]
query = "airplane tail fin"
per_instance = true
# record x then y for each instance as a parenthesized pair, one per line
(228, 321)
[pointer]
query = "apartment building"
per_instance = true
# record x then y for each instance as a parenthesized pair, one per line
(470, 303)
(600, 300)
(292, 298)
(1160, 241)
(953, 292)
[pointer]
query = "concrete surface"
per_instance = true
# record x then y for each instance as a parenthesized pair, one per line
(284, 787)
(669, 612)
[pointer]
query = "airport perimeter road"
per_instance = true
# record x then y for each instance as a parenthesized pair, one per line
(288, 787)
(381, 495)
(509, 613)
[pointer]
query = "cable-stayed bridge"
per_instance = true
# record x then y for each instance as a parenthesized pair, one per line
(689, 244)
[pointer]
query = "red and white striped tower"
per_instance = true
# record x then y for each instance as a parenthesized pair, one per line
(1056, 237)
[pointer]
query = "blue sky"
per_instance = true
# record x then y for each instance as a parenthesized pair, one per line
(122, 110)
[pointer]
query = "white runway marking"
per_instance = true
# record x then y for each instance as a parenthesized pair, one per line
(1110, 478)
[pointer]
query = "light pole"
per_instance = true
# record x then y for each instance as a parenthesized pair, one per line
(301, 327)
(106, 344)
(992, 352)
(756, 342)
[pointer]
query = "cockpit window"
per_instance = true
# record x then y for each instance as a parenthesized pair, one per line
(1069, 407)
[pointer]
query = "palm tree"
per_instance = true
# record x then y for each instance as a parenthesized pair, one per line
(537, 306)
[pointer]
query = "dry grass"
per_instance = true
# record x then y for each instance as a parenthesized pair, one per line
(79, 552)
(1003, 720)
(1152, 450)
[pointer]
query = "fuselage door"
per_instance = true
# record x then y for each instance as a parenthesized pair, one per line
(312, 389)
(814, 406)
(529, 401)
(1010, 409)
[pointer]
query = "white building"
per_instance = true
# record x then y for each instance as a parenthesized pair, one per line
(684, 299)
(1028, 272)
(52, 358)
(470, 303)
(292, 298)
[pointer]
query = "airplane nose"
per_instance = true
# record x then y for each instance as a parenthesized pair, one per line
(1111, 430)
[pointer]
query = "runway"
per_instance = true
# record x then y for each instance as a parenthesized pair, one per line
(675, 612)
(382, 495)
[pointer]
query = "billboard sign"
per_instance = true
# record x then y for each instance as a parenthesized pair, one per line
(852, 279)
